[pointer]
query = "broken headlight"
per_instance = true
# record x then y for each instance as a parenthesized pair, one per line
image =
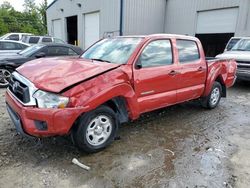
(50, 100)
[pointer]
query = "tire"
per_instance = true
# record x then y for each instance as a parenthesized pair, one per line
(4, 77)
(213, 99)
(96, 130)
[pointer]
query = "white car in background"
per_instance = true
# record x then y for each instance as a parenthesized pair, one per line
(241, 53)
(10, 47)
(14, 36)
(41, 40)
(232, 42)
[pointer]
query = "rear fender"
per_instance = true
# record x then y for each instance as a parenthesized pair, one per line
(215, 73)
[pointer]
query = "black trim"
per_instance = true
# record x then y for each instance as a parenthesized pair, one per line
(121, 17)
(17, 121)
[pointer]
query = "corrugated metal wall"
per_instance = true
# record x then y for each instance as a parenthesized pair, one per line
(144, 16)
(109, 15)
(181, 15)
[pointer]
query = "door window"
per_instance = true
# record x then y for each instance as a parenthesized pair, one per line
(188, 51)
(60, 51)
(46, 39)
(10, 46)
(157, 53)
(34, 40)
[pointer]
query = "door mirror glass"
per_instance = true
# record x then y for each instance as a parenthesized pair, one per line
(138, 64)
(40, 55)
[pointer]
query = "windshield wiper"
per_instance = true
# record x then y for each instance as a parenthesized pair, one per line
(102, 60)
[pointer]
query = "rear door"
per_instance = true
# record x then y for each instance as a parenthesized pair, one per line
(154, 76)
(192, 70)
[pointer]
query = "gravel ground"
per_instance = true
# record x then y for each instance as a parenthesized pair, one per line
(180, 146)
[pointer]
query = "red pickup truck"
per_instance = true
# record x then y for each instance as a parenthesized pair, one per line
(113, 81)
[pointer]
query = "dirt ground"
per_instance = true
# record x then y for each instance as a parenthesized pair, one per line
(181, 146)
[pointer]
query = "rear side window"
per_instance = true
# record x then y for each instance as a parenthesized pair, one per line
(157, 53)
(188, 51)
(58, 41)
(46, 39)
(13, 37)
(10, 46)
(34, 40)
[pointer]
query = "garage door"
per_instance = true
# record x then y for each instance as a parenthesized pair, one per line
(91, 28)
(57, 28)
(217, 21)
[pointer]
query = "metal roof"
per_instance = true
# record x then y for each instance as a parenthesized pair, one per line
(53, 2)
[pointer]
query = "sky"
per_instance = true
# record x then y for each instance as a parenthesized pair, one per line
(18, 4)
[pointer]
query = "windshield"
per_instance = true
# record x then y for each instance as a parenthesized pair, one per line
(242, 45)
(31, 50)
(231, 44)
(113, 50)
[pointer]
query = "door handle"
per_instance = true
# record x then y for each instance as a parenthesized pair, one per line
(173, 73)
(200, 69)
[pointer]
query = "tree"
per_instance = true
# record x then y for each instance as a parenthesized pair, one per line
(42, 11)
(32, 20)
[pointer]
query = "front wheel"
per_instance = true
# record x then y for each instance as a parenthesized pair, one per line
(213, 99)
(5, 75)
(96, 130)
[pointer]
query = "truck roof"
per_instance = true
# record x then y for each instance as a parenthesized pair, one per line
(161, 35)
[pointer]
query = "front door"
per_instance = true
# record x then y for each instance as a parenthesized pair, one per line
(155, 76)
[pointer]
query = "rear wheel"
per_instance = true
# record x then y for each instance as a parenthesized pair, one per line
(4, 77)
(213, 99)
(96, 130)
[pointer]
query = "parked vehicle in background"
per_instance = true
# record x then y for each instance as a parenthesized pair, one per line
(241, 53)
(41, 39)
(9, 64)
(114, 81)
(14, 36)
(231, 43)
(10, 47)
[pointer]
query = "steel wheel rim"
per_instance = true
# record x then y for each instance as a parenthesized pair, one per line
(215, 95)
(4, 77)
(99, 130)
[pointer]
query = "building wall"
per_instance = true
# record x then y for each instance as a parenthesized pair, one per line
(144, 16)
(181, 15)
(109, 16)
(140, 16)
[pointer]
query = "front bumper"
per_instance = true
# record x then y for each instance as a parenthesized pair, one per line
(57, 121)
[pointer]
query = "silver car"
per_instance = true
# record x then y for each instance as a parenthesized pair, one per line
(10, 47)
(41, 40)
(241, 53)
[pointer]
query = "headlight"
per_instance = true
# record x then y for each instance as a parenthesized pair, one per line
(50, 100)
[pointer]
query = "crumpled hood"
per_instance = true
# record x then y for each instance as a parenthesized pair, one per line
(56, 74)
(237, 55)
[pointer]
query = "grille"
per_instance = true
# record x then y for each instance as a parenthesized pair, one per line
(243, 65)
(19, 90)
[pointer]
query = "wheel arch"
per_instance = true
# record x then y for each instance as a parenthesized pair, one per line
(223, 85)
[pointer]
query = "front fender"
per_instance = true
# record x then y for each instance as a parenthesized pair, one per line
(103, 88)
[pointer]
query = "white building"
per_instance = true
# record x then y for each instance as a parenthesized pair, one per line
(213, 21)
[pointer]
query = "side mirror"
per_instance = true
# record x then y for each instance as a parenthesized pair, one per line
(138, 64)
(40, 55)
